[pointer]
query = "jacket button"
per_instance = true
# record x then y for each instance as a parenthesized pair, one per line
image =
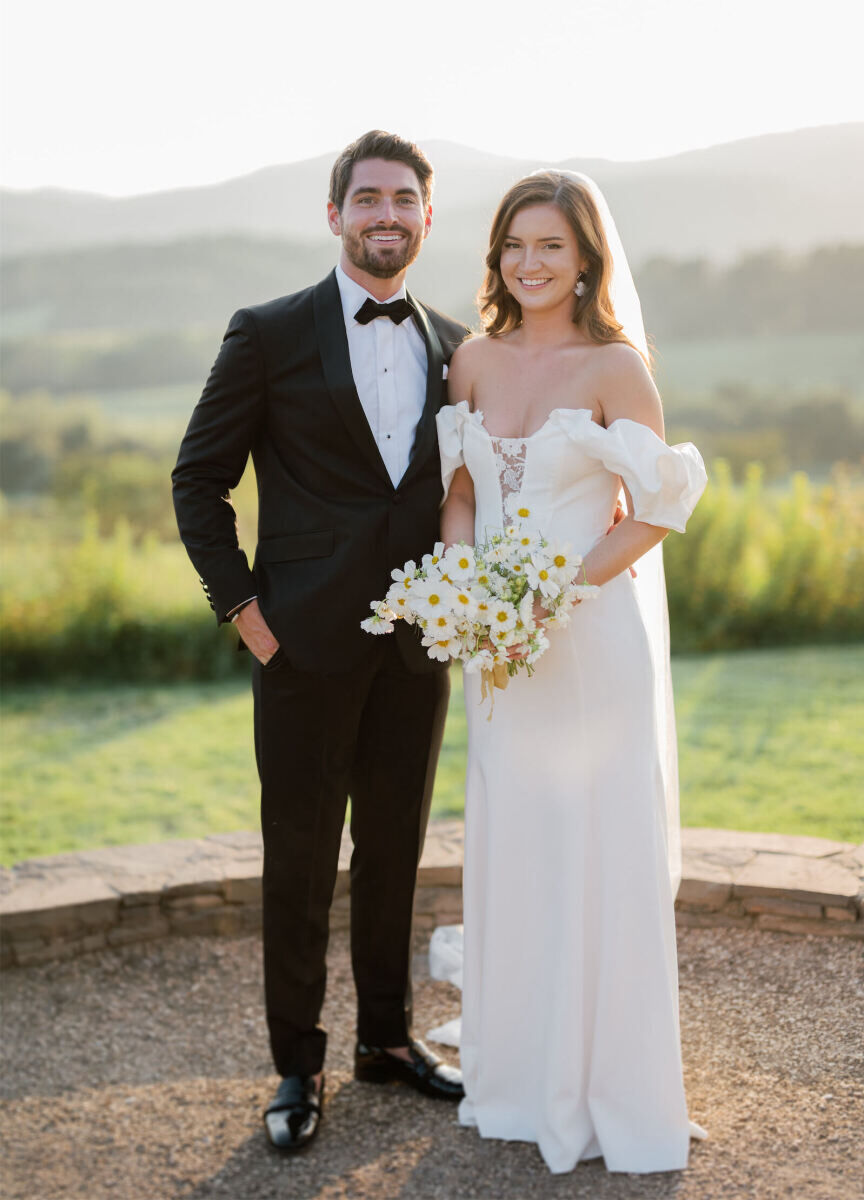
(397, 499)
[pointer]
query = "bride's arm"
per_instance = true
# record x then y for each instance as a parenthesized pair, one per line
(457, 513)
(627, 390)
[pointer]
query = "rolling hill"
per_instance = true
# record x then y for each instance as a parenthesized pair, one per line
(791, 190)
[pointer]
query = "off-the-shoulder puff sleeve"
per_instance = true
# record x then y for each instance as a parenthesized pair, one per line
(665, 482)
(451, 427)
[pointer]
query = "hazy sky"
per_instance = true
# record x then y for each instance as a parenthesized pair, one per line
(125, 97)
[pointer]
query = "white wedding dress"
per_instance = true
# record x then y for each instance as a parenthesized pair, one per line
(570, 1033)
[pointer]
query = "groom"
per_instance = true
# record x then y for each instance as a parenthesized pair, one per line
(333, 391)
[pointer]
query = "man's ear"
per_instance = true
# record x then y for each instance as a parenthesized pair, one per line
(427, 225)
(334, 219)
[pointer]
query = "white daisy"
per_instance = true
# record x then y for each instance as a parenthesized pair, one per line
(503, 617)
(429, 597)
(381, 620)
(527, 543)
(540, 575)
(430, 562)
(405, 576)
(497, 553)
(517, 509)
(441, 649)
(464, 603)
(442, 625)
(400, 602)
(526, 612)
(458, 562)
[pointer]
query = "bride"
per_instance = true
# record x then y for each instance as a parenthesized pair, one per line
(570, 1033)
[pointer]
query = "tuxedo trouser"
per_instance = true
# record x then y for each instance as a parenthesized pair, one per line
(373, 733)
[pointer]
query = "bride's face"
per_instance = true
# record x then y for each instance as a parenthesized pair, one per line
(540, 259)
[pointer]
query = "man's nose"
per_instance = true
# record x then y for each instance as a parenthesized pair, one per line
(388, 211)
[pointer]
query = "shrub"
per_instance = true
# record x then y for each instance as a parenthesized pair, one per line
(758, 566)
(762, 567)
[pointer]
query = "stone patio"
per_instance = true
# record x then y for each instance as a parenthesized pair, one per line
(68, 904)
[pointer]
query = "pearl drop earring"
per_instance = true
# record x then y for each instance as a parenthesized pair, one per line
(579, 289)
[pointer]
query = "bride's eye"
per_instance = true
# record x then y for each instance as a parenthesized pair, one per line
(510, 246)
(552, 246)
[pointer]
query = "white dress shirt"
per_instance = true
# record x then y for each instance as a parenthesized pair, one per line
(388, 362)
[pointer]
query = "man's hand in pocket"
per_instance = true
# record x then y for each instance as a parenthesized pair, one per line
(256, 633)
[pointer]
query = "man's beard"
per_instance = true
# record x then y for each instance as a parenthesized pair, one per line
(381, 262)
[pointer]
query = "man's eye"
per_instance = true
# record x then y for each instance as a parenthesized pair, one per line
(407, 200)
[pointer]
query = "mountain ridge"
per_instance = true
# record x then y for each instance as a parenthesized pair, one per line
(791, 190)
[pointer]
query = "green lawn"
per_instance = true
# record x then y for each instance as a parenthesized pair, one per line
(769, 740)
(791, 362)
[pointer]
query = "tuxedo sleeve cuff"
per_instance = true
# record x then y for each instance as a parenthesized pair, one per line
(235, 612)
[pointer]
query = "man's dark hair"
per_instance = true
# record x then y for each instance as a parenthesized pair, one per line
(378, 144)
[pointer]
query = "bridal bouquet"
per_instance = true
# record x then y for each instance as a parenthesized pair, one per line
(475, 603)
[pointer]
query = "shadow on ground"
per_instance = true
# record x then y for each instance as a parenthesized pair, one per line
(143, 1073)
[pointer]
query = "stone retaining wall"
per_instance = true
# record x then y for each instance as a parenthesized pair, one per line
(57, 907)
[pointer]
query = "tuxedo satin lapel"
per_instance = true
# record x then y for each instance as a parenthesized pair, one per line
(426, 435)
(336, 362)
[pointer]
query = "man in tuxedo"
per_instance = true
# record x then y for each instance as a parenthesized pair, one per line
(333, 391)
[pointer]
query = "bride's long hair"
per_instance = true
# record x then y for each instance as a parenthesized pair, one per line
(501, 312)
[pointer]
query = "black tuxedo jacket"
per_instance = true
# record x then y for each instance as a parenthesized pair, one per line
(331, 524)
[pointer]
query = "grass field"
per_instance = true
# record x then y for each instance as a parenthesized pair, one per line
(788, 363)
(769, 740)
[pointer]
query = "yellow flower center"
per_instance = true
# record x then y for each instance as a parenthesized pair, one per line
(463, 563)
(462, 598)
(524, 512)
(525, 541)
(446, 642)
(543, 574)
(560, 560)
(501, 616)
(441, 621)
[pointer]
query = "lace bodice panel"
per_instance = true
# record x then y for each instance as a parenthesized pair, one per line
(510, 455)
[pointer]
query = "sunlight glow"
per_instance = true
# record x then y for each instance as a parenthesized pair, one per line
(131, 98)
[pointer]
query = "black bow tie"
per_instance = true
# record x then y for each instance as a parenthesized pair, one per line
(397, 311)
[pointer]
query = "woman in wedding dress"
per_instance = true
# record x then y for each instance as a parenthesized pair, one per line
(570, 1035)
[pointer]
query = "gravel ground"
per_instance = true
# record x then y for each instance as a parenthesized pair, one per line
(142, 1073)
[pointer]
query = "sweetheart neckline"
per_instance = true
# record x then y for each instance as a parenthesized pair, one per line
(497, 437)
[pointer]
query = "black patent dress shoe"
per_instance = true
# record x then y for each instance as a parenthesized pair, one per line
(293, 1116)
(426, 1071)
